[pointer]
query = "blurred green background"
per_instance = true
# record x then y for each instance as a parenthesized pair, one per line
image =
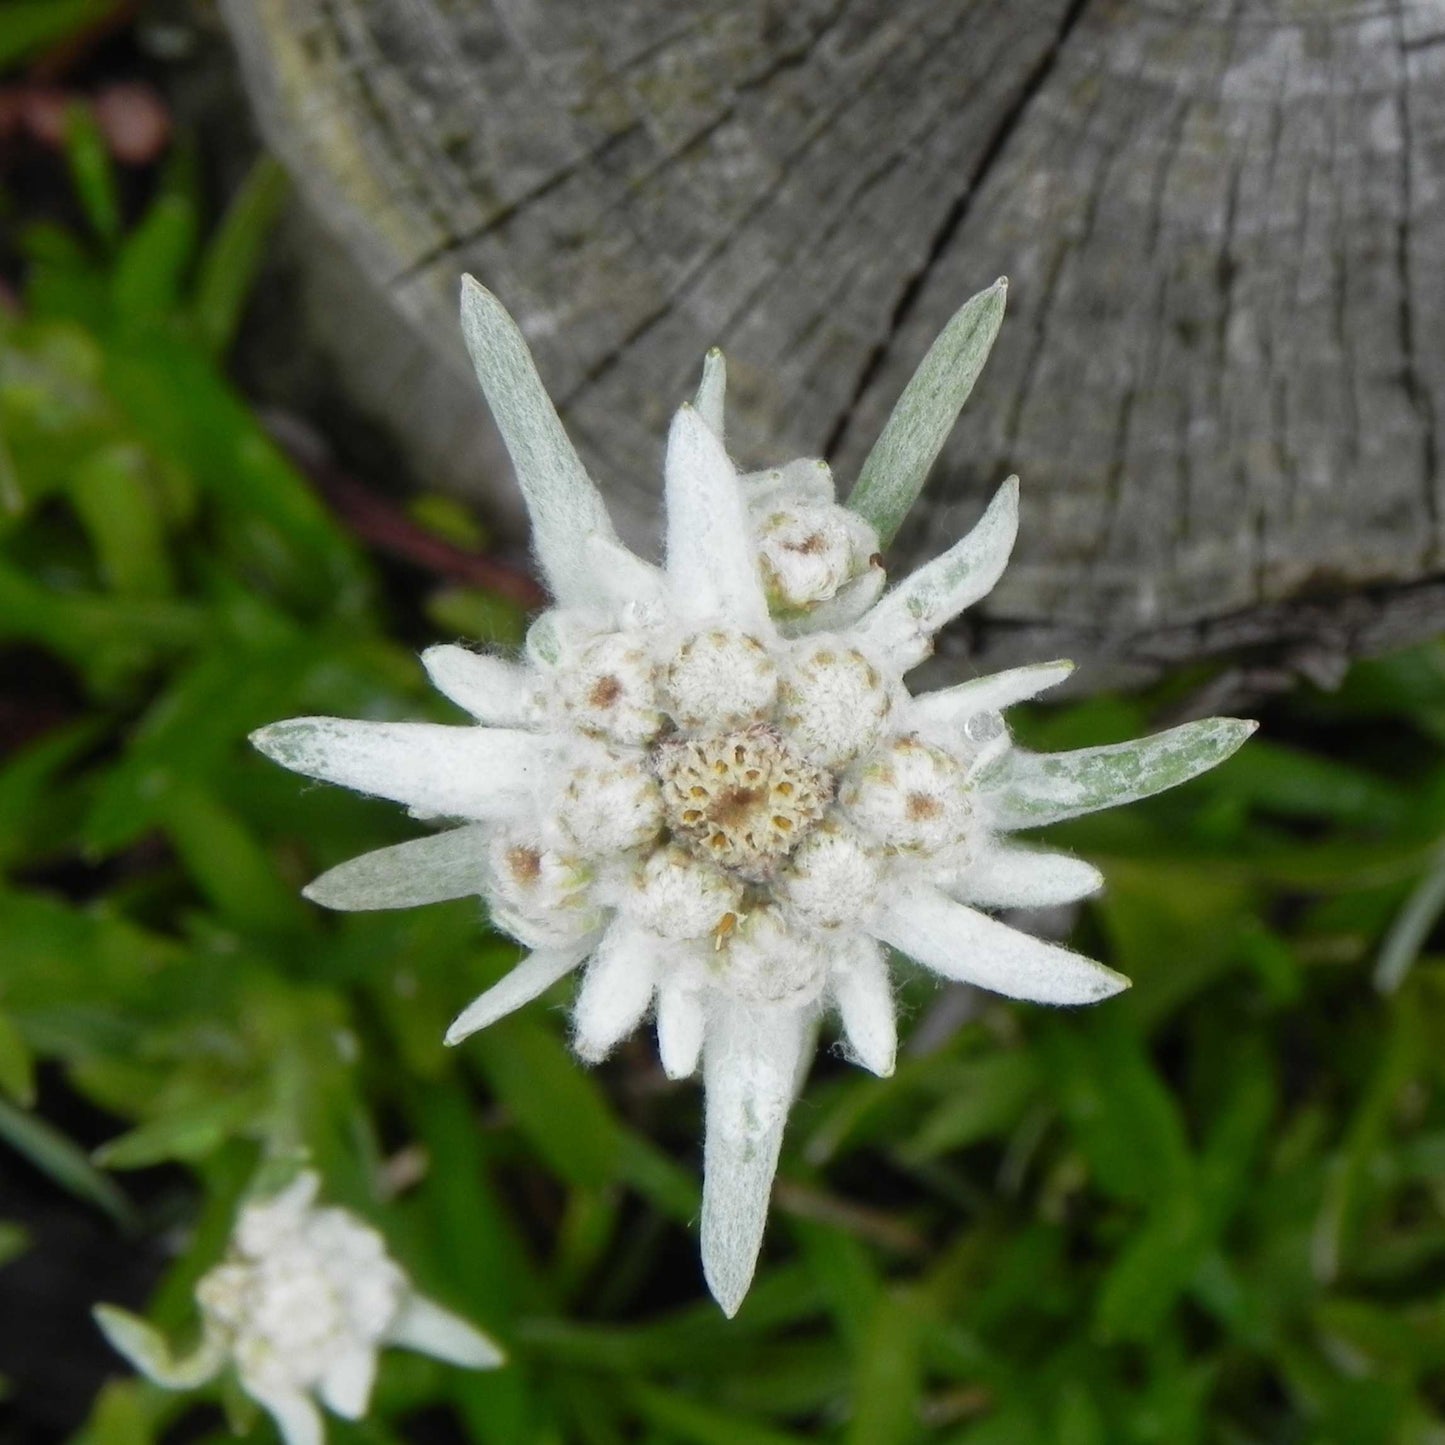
(1212, 1210)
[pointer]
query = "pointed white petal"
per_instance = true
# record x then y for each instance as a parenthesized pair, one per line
(425, 870)
(150, 1352)
(346, 1385)
(911, 439)
(751, 1060)
(951, 707)
(423, 1325)
(712, 391)
(616, 991)
(626, 577)
(294, 1412)
(712, 565)
(441, 771)
(968, 946)
(494, 691)
(564, 505)
(531, 978)
(1028, 790)
(680, 1019)
(843, 609)
(902, 625)
(864, 995)
(1025, 878)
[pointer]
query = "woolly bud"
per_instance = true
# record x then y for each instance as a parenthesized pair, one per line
(610, 689)
(833, 703)
(537, 894)
(720, 679)
(766, 960)
(831, 877)
(679, 896)
(609, 805)
(911, 797)
(806, 479)
(808, 550)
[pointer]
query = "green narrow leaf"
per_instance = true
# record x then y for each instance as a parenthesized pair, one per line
(187, 1134)
(1076, 1417)
(124, 1413)
(686, 1420)
(583, 1238)
(152, 262)
(92, 171)
(226, 1176)
(559, 1108)
(1412, 926)
(13, 1241)
(17, 1067)
(27, 777)
(1351, 1182)
(30, 26)
(227, 864)
(102, 637)
(192, 730)
(1124, 1117)
(478, 1263)
(845, 1274)
(1032, 789)
(911, 439)
(990, 1096)
(187, 413)
(657, 1177)
(1147, 1277)
(62, 1161)
(888, 1382)
(121, 513)
(1298, 784)
(230, 262)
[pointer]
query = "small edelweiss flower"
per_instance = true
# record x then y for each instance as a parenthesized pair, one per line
(299, 1308)
(708, 781)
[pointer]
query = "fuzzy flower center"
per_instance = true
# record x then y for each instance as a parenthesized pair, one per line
(742, 800)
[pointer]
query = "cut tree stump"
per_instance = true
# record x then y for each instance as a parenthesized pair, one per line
(1223, 224)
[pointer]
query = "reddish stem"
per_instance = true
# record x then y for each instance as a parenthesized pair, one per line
(382, 524)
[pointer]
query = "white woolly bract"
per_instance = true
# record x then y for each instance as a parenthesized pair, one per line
(719, 680)
(808, 550)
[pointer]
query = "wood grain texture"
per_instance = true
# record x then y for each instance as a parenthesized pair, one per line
(1223, 223)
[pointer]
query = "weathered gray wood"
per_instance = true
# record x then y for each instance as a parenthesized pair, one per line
(1223, 221)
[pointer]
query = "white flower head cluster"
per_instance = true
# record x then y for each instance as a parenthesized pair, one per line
(299, 1308)
(708, 782)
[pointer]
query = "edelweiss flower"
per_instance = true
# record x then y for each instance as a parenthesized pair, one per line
(300, 1306)
(708, 783)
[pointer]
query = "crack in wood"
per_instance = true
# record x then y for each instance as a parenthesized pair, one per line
(843, 211)
(450, 245)
(955, 216)
(819, 129)
(1415, 391)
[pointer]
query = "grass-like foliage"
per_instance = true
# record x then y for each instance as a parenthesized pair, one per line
(1212, 1209)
